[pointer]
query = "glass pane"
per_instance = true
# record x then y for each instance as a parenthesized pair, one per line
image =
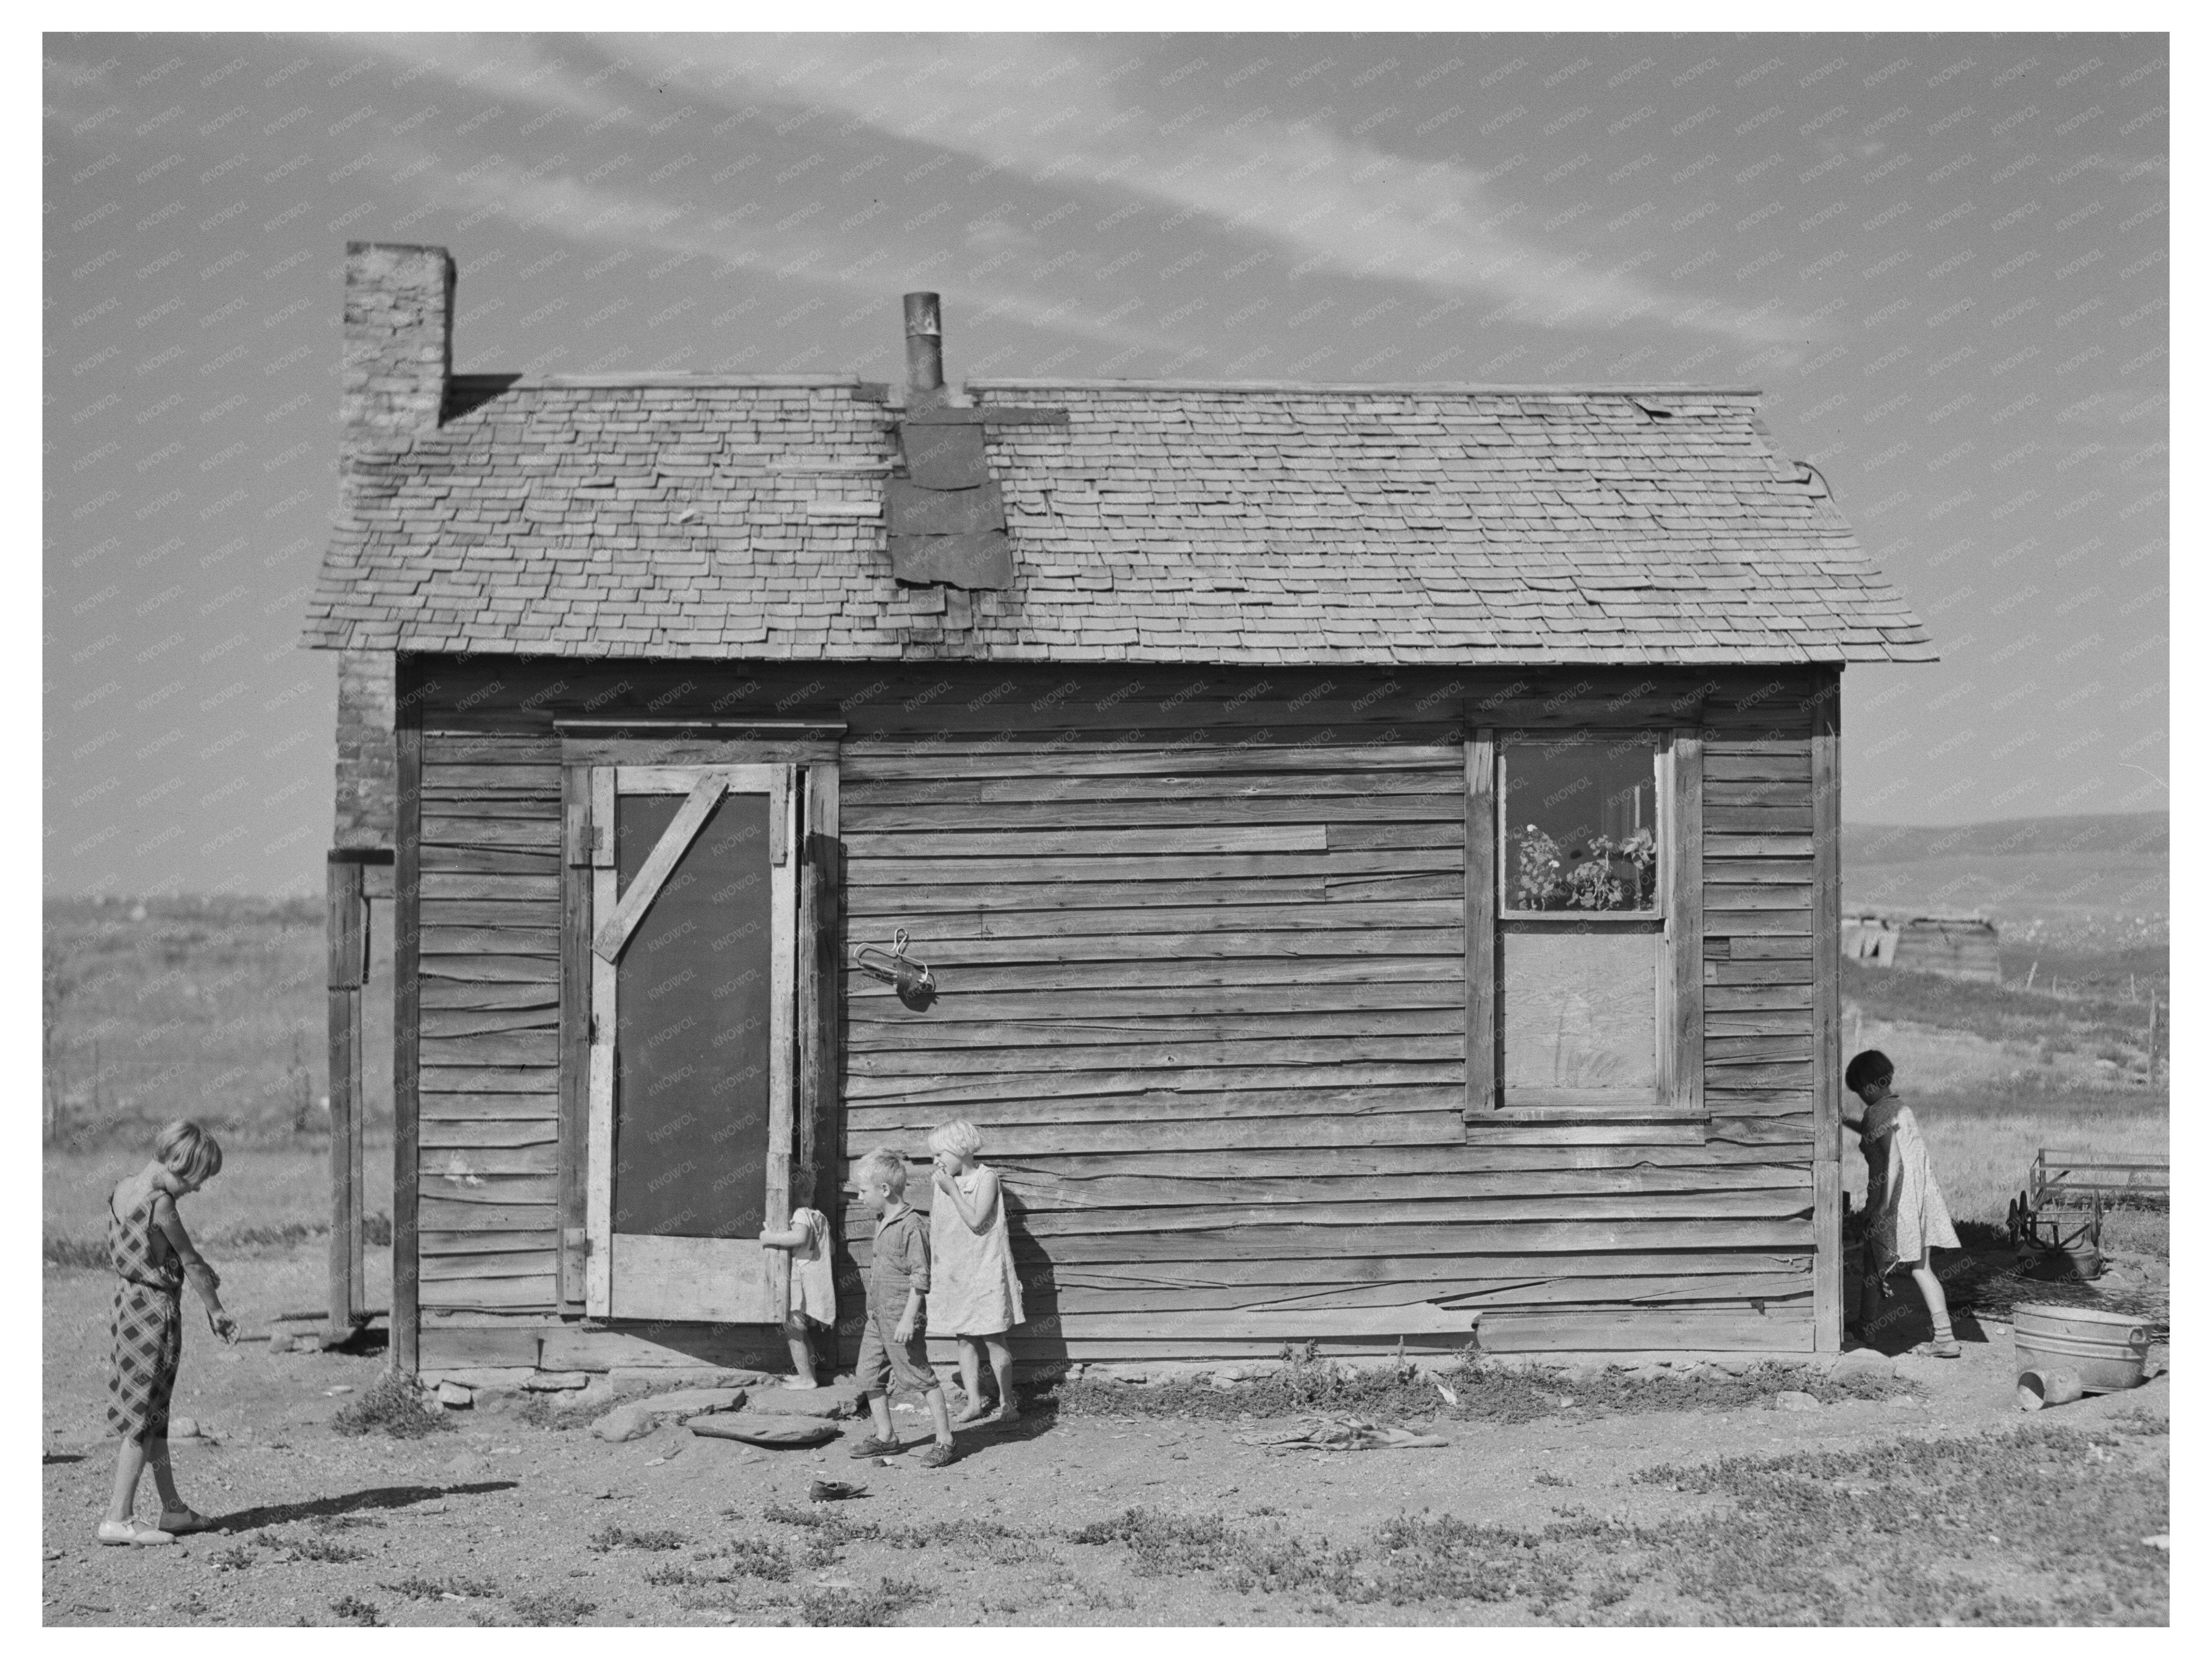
(1579, 1011)
(1581, 824)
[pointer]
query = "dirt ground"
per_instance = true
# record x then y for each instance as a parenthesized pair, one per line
(497, 1521)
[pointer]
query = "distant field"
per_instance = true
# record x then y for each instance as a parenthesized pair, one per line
(213, 1009)
(2093, 884)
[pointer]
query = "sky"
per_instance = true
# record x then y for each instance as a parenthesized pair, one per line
(1943, 257)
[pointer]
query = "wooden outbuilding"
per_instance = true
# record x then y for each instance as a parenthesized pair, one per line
(1372, 849)
(1956, 946)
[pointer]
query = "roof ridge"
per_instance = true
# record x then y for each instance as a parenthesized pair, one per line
(1363, 388)
(617, 379)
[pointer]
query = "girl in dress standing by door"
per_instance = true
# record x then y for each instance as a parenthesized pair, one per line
(978, 1299)
(1906, 1219)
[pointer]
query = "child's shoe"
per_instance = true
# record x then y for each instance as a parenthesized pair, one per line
(938, 1454)
(131, 1532)
(180, 1521)
(873, 1447)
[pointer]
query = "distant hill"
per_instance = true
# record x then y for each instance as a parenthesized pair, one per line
(2127, 834)
(2095, 879)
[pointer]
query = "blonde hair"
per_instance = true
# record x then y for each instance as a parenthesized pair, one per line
(802, 1186)
(189, 1152)
(958, 1136)
(881, 1165)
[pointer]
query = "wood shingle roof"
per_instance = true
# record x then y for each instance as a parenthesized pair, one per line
(712, 516)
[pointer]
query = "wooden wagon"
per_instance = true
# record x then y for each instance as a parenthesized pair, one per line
(1375, 847)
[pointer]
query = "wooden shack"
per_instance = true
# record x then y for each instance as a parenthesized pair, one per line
(1955, 946)
(1373, 847)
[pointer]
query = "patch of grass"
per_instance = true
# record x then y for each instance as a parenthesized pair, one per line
(352, 1610)
(614, 1537)
(2037, 1527)
(1486, 1391)
(313, 1547)
(880, 1606)
(394, 1405)
(551, 1607)
(550, 1411)
(415, 1587)
(236, 1558)
(63, 1252)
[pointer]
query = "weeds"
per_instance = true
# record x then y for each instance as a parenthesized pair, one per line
(551, 1607)
(613, 1537)
(863, 1608)
(415, 1587)
(236, 1558)
(394, 1405)
(312, 1547)
(61, 1251)
(1808, 1538)
(1485, 1391)
(352, 1610)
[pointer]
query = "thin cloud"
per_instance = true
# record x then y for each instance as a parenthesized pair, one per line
(1053, 111)
(563, 204)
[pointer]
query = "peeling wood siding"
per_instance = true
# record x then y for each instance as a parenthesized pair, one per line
(1228, 1120)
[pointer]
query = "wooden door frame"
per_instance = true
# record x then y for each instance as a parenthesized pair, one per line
(811, 745)
(703, 785)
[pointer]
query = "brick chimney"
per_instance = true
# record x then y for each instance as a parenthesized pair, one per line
(398, 339)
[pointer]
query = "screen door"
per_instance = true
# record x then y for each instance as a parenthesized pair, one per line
(694, 926)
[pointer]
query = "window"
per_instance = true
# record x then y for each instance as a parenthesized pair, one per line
(1581, 825)
(1574, 922)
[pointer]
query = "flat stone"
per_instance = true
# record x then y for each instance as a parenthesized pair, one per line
(184, 1428)
(1864, 1362)
(1796, 1400)
(690, 1376)
(833, 1400)
(486, 1379)
(624, 1423)
(1734, 1364)
(453, 1397)
(557, 1381)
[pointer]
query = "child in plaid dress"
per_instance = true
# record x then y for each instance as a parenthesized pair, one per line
(153, 1257)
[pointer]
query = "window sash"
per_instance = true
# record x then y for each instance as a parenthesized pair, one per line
(1678, 1013)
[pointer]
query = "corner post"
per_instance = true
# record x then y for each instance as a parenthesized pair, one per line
(1827, 1015)
(406, 1030)
(346, 918)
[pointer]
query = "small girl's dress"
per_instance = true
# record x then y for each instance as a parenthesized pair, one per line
(1905, 1212)
(148, 1325)
(813, 1285)
(974, 1291)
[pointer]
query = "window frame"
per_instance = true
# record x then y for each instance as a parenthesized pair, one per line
(1678, 1015)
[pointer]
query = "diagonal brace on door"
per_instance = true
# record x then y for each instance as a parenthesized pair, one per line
(660, 863)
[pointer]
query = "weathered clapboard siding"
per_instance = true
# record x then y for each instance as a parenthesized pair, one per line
(1192, 959)
(1201, 983)
(489, 1025)
(1759, 896)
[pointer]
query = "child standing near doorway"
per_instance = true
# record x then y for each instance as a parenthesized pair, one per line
(979, 1298)
(812, 1301)
(898, 1280)
(1906, 1219)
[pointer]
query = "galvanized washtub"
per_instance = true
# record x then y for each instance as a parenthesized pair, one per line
(2106, 1351)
